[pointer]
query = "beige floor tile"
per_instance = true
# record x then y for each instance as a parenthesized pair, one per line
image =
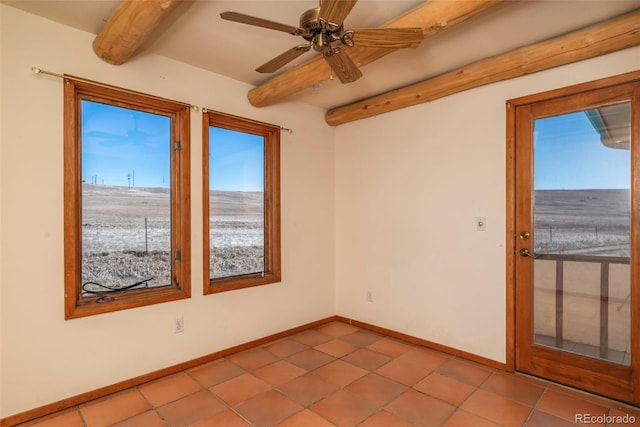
(445, 388)
(391, 347)
(240, 389)
(285, 347)
(498, 409)
(542, 419)
(305, 418)
(191, 409)
(465, 419)
(278, 373)
(336, 329)
(420, 409)
(148, 419)
(377, 389)
(403, 372)
(367, 359)
(227, 418)
(344, 409)
(268, 409)
(568, 407)
(311, 337)
(336, 348)
(466, 372)
(340, 372)
(310, 359)
(362, 338)
(307, 389)
(385, 419)
(514, 387)
(253, 358)
(169, 388)
(68, 418)
(113, 409)
(425, 358)
(215, 372)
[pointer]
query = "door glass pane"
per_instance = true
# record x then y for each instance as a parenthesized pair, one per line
(236, 203)
(581, 232)
(126, 209)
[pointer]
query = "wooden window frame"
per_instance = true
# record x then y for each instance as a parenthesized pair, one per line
(272, 242)
(76, 90)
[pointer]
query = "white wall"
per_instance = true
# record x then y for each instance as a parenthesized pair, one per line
(45, 358)
(409, 185)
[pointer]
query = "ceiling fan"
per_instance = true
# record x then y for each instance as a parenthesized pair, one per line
(322, 28)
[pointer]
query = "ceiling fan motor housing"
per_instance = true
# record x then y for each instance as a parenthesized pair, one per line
(318, 31)
(309, 20)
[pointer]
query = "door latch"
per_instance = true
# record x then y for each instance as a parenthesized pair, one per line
(524, 252)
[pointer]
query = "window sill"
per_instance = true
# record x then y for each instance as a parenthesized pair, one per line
(131, 299)
(240, 282)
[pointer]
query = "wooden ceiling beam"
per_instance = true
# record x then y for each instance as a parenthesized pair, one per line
(432, 16)
(130, 25)
(599, 39)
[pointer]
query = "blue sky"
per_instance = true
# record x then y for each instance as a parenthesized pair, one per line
(568, 155)
(125, 147)
(119, 144)
(236, 160)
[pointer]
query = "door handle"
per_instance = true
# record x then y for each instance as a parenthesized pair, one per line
(524, 252)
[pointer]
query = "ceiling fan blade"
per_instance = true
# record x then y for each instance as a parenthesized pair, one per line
(283, 59)
(259, 22)
(335, 11)
(393, 38)
(342, 66)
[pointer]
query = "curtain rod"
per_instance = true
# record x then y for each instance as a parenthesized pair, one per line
(37, 70)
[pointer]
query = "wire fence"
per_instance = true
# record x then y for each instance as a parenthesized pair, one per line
(597, 239)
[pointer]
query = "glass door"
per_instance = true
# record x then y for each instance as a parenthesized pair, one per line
(581, 223)
(574, 259)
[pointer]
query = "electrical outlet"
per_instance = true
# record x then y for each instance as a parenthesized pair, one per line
(370, 296)
(178, 325)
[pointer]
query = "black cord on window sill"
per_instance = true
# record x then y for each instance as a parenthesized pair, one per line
(110, 289)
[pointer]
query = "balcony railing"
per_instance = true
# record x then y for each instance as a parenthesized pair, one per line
(604, 292)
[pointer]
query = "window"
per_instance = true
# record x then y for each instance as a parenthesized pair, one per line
(126, 206)
(241, 203)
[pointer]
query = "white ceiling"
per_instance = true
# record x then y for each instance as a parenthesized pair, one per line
(195, 34)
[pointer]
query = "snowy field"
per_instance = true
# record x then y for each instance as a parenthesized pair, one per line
(126, 234)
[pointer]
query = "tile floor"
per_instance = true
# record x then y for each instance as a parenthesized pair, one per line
(340, 375)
